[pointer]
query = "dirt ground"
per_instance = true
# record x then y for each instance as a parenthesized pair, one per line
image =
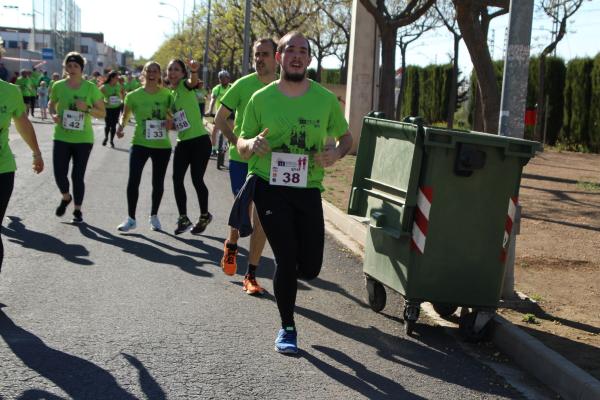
(558, 251)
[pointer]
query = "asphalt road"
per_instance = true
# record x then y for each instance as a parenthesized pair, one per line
(89, 313)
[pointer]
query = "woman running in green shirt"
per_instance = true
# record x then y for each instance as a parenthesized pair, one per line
(193, 144)
(12, 106)
(72, 102)
(151, 105)
(113, 98)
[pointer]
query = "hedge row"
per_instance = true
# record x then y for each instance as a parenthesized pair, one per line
(427, 92)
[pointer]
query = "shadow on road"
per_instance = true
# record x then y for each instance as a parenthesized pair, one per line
(147, 252)
(19, 234)
(432, 358)
(37, 394)
(79, 378)
(149, 386)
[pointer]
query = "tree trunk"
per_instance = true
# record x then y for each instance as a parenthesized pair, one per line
(541, 100)
(388, 56)
(453, 85)
(476, 41)
(402, 84)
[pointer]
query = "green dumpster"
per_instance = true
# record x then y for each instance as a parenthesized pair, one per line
(440, 205)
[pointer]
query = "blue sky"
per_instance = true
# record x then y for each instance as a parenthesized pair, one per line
(137, 25)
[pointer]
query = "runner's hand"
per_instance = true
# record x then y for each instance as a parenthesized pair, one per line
(120, 133)
(327, 158)
(56, 119)
(38, 163)
(193, 65)
(260, 145)
(81, 105)
(169, 124)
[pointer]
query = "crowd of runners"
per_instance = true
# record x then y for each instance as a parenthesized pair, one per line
(282, 131)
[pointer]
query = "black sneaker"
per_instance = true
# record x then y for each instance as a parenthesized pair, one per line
(203, 222)
(183, 224)
(77, 217)
(62, 207)
(112, 144)
(104, 141)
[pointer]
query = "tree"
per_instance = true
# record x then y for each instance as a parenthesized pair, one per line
(337, 12)
(473, 17)
(559, 12)
(282, 17)
(389, 20)
(324, 37)
(447, 15)
(407, 35)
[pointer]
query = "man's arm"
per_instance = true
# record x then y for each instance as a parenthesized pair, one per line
(330, 156)
(25, 129)
(224, 124)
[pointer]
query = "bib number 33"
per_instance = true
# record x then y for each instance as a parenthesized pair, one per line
(289, 169)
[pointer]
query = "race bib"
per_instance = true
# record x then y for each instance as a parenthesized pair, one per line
(180, 121)
(289, 169)
(114, 100)
(73, 120)
(156, 129)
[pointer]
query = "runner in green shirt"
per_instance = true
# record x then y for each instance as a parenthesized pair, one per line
(151, 105)
(201, 96)
(284, 132)
(27, 85)
(215, 101)
(113, 99)
(73, 102)
(193, 144)
(12, 107)
(131, 83)
(235, 101)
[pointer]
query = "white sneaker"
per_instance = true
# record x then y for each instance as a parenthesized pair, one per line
(127, 225)
(155, 223)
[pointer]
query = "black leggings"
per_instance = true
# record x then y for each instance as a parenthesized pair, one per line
(138, 156)
(7, 182)
(195, 153)
(62, 154)
(293, 222)
(110, 121)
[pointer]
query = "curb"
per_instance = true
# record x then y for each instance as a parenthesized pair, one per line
(552, 369)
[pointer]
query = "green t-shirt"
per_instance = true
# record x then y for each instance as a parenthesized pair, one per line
(218, 92)
(236, 100)
(130, 86)
(297, 125)
(27, 86)
(36, 76)
(184, 99)
(11, 105)
(201, 95)
(113, 92)
(149, 106)
(64, 97)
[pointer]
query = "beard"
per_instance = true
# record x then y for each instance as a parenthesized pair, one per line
(293, 77)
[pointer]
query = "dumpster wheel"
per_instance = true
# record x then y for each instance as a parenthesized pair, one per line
(411, 315)
(475, 326)
(444, 310)
(376, 294)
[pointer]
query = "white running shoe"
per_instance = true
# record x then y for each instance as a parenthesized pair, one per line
(127, 225)
(155, 223)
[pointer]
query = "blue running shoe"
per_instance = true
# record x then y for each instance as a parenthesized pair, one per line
(286, 341)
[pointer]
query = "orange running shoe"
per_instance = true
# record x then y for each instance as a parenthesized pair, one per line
(228, 262)
(251, 286)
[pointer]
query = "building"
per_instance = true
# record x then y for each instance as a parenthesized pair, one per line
(19, 51)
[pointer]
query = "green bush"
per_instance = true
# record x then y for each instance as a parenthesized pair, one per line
(577, 96)
(594, 124)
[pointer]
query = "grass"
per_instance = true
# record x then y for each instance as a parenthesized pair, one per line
(536, 297)
(530, 319)
(589, 186)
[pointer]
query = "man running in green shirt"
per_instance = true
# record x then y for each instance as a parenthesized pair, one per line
(284, 133)
(234, 101)
(215, 101)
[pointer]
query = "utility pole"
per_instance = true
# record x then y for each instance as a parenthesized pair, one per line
(246, 57)
(205, 61)
(512, 106)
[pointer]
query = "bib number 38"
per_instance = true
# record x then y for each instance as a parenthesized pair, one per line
(289, 169)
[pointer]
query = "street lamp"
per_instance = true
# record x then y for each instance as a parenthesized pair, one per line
(162, 3)
(172, 21)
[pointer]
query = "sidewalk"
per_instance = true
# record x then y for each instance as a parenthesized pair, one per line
(552, 369)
